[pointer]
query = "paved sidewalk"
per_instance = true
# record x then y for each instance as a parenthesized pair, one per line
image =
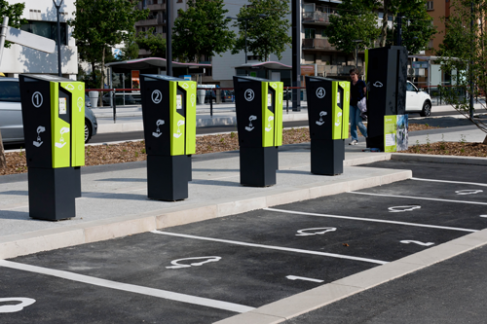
(114, 199)
(129, 118)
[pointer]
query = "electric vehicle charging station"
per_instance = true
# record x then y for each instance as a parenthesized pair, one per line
(386, 78)
(328, 115)
(259, 123)
(53, 113)
(169, 118)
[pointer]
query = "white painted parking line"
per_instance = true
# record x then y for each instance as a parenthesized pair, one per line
(447, 181)
(303, 278)
(421, 198)
(373, 220)
(272, 247)
(183, 298)
(417, 242)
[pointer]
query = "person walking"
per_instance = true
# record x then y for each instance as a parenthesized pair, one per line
(357, 92)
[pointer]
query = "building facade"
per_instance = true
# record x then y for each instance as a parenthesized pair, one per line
(318, 56)
(42, 21)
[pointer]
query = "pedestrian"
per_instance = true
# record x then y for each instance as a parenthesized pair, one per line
(357, 92)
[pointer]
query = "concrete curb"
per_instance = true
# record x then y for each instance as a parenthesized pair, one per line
(22, 244)
(408, 157)
(310, 300)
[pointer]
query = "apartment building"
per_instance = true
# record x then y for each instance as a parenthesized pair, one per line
(42, 20)
(437, 9)
(318, 57)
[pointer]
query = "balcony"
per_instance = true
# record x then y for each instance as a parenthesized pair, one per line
(319, 44)
(321, 16)
(150, 22)
(156, 7)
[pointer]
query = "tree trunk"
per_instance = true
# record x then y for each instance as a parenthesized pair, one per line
(385, 21)
(3, 160)
(100, 103)
(485, 140)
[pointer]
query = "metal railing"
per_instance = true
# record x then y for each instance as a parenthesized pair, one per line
(320, 15)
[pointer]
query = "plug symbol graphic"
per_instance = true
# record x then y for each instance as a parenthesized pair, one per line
(337, 123)
(158, 132)
(321, 122)
(63, 131)
(250, 127)
(178, 133)
(40, 129)
(269, 125)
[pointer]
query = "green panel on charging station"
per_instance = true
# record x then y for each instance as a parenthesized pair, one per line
(68, 142)
(272, 121)
(182, 117)
(340, 109)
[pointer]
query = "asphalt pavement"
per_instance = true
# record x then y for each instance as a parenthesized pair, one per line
(233, 268)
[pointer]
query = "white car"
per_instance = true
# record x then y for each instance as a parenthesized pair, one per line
(417, 101)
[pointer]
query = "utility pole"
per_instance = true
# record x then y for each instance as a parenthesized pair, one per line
(471, 63)
(169, 38)
(296, 49)
(58, 6)
(399, 29)
(3, 35)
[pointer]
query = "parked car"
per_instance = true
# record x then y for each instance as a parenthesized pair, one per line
(11, 124)
(227, 96)
(417, 100)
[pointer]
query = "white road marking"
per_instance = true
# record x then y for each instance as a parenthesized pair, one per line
(468, 192)
(401, 209)
(207, 259)
(485, 216)
(417, 242)
(457, 182)
(420, 198)
(303, 278)
(315, 231)
(272, 247)
(24, 302)
(183, 298)
(373, 220)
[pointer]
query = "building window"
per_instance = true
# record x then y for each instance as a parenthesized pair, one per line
(309, 33)
(46, 29)
(429, 5)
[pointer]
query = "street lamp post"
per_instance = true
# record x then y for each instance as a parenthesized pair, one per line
(58, 5)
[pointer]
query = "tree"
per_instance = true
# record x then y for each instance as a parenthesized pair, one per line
(355, 21)
(464, 57)
(202, 30)
(262, 26)
(155, 43)
(102, 23)
(130, 51)
(14, 13)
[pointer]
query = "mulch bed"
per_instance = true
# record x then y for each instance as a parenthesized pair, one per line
(450, 148)
(135, 151)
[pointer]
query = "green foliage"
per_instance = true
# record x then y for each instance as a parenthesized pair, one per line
(130, 51)
(155, 43)
(464, 57)
(14, 13)
(102, 23)
(356, 20)
(265, 35)
(202, 30)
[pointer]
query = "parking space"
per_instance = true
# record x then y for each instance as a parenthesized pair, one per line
(206, 271)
